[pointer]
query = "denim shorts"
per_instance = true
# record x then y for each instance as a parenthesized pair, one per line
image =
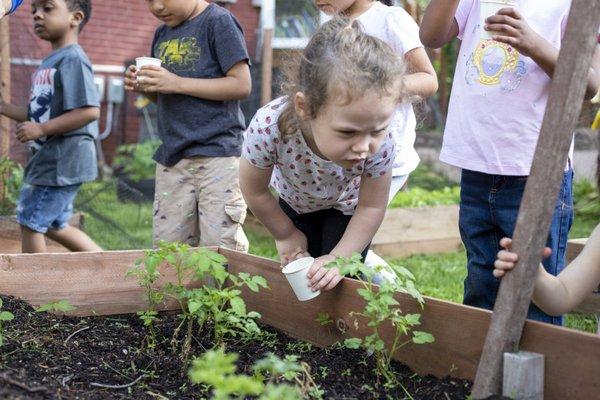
(45, 207)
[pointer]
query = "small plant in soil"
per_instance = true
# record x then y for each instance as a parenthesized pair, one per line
(59, 306)
(382, 308)
(5, 316)
(217, 303)
(217, 369)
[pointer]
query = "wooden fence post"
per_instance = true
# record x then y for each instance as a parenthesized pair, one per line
(5, 84)
(537, 207)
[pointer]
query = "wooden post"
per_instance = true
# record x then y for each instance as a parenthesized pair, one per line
(267, 16)
(267, 67)
(539, 200)
(4, 84)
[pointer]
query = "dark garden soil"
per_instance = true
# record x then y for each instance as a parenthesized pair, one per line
(50, 357)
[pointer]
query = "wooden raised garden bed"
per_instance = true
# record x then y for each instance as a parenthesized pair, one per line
(95, 284)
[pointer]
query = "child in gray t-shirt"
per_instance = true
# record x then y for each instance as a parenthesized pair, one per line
(204, 74)
(60, 127)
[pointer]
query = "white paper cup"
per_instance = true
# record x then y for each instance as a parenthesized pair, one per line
(295, 272)
(144, 61)
(489, 8)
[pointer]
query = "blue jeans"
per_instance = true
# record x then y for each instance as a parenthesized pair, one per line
(40, 208)
(489, 205)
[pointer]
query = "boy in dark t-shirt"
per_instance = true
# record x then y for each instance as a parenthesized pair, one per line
(204, 74)
(59, 126)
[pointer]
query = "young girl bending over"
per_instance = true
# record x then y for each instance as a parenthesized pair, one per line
(326, 149)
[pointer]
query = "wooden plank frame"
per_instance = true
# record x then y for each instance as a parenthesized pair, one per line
(95, 284)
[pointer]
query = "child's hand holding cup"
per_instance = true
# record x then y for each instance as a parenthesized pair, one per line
(132, 81)
(489, 8)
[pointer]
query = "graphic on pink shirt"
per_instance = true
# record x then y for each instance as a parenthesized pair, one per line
(493, 63)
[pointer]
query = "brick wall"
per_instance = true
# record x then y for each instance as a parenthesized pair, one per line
(119, 30)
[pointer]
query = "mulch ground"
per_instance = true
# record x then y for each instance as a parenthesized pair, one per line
(51, 357)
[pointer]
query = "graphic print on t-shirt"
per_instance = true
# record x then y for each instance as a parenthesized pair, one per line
(42, 90)
(180, 55)
(493, 63)
(40, 99)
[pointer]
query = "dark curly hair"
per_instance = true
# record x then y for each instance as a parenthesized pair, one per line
(85, 6)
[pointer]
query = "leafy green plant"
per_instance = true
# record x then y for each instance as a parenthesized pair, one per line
(382, 309)
(136, 159)
(5, 316)
(217, 302)
(273, 368)
(146, 271)
(587, 200)
(11, 179)
(217, 369)
(59, 306)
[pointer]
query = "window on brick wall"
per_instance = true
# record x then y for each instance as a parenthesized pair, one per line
(295, 22)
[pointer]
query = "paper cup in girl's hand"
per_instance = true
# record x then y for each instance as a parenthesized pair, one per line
(295, 272)
(489, 8)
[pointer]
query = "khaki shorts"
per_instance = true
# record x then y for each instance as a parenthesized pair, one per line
(198, 201)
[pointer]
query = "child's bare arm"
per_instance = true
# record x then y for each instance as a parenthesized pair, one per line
(558, 295)
(65, 123)
(439, 26)
(13, 112)
(254, 183)
(421, 79)
(515, 31)
(235, 85)
(368, 216)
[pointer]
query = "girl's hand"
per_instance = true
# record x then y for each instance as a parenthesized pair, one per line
(293, 247)
(130, 81)
(507, 260)
(154, 79)
(321, 277)
(27, 131)
(514, 31)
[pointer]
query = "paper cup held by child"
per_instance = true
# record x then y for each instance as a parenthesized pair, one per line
(489, 8)
(295, 272)
(144, 61)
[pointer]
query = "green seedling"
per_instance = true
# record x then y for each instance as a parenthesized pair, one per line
(383, 308)
(217, 370)
(216, 303)
(5, 316)
(60, 306)
(272, 368)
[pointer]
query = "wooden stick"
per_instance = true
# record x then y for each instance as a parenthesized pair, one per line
(539, 199)
(5, 87)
